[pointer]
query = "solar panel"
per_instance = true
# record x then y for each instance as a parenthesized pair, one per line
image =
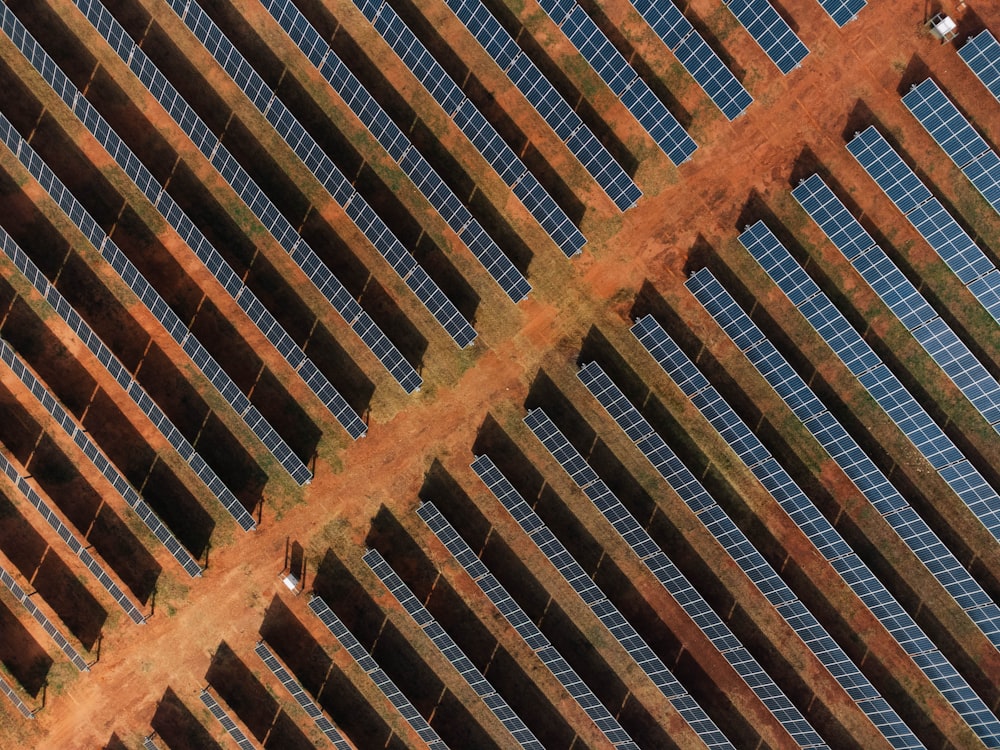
(252, 195)
(14, 698)
(226, 721)
(959, 140)
(511, 721)
(695, 55)
(771, 32)
(982, 54)
(396, 143)
(379, 677)
(536, 88)
(853, 571)
(843, 11)
(336, 184)
(149, 744)
(301, 697)
(54, 633)
(862, 471)
(594, 598)
(527, 629)
(885, 278)
(131, 387)
(674, 582)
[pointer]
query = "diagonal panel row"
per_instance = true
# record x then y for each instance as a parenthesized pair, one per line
(493, 700)
(771, 32)
(527, 629)
(251, 194)
(398, 145)
(226, 721)
(299, 694)
(191, 235)
(131, 386)
(913, 311)
(145, 291)
(673, 580)
(843, 11)
(598, 603)
(982, 54)
(926, 213)
(364, 660)
(826, 539)
(616, 72)
(332, 179)
(694, 495)
(693, 52)
(953, 133)
(941, 453)
(532, 83)
(828, 431)
(15, 699)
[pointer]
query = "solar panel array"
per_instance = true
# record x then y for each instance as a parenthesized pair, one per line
(818, 529)
(885, 278)
(301, 697)
(953, 133)
(176, 217)
(721, 526)
(118, 371)
(947, 460)
(742, 661)
(982, 54)
(226, 721)
(924, 211)
(14, 698)
(856, 464)
(695, 55)
(527, 629)
(64, 532)
(149, 744)
(251, 194)
(364, 660)
(843, 11)
(526, 77)
(323, 168)
(494, 701)
(771, 32)
(154, 303)
(74, 656)
(599, 604)
(616, 72)
(398, 145)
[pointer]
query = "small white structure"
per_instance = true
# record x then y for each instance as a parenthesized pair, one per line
(943, 27)
(291, 582)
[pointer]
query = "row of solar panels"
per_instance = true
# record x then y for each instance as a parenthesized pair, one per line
(616, 72)
(523, 73)
(176, 217)
(336, 184)
(524, 626)
(131, 386)
(594, 598)
(924, 211)
(493, 700)
(937, 338)
(131, 275)
(15, 699)
(272, 219)
(721, 526)
(65, 646)
(771, 32)
(226, 721)
(982, 54)
(364, 660)
(827, 541)
(868, 478)
(65, 533)
(301, 697)
(942, 454)
(745, 665)
(398, 146)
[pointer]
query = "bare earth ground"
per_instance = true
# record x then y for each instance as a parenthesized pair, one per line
(810, 108)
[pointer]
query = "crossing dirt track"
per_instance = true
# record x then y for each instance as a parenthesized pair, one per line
(261, 310)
